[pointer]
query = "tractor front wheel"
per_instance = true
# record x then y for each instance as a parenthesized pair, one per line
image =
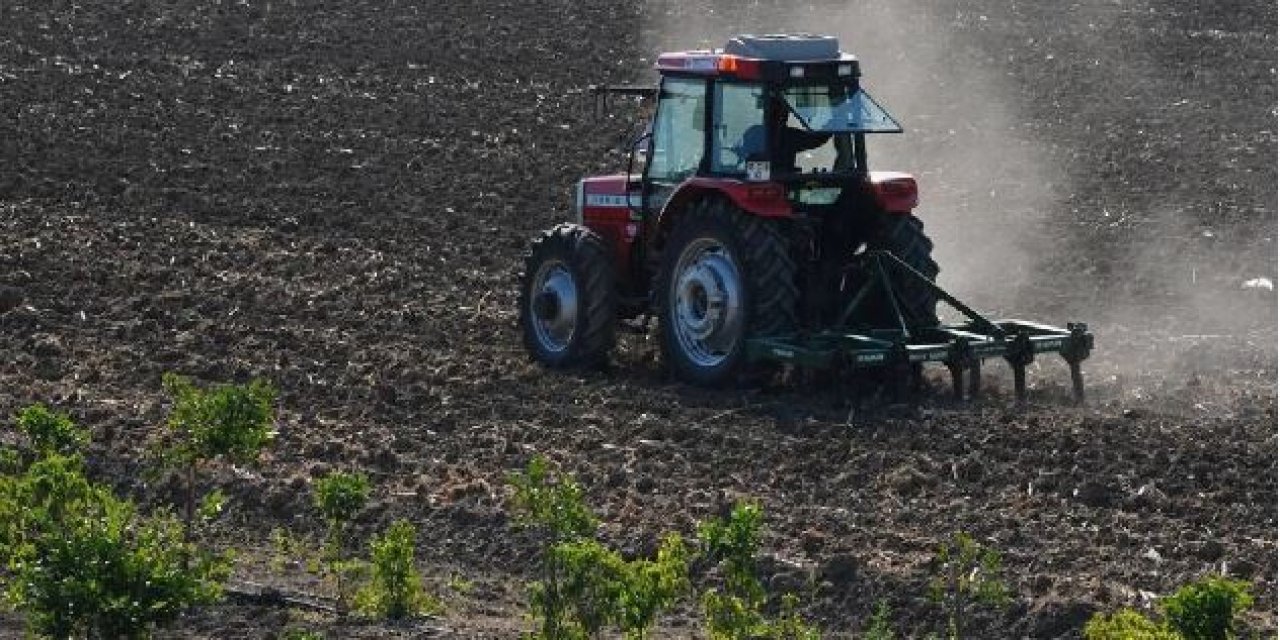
(567, 298)
(726, 275)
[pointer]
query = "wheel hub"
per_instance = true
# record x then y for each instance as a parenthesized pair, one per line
(708, 302)
(546, 305)
(554, 303)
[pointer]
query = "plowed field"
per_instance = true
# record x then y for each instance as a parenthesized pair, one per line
(335, 196)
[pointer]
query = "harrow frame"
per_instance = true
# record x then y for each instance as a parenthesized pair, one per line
(960, 347)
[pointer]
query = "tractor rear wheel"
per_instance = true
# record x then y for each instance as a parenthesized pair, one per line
(726, 275)
(903, 236)
(567, 298)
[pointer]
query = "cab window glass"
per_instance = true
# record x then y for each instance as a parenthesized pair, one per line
(678, 130)
(739, 131)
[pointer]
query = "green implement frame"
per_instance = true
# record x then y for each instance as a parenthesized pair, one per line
(961, 347)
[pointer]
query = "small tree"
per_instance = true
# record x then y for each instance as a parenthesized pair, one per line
(227, 421)
(395, 589)
(968, 577)
(339, 497)
(736, 612)
(585, 586)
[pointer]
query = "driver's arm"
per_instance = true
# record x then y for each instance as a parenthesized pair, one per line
(797, 140)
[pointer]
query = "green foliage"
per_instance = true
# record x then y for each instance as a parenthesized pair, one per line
(340, 496)
(211, 505)
(789, 625)
(736, 612)
(36, 502)
(301, 634)
(10, 460)
(1202, 610)
(83, 561)
(394, 590)
(1126, 624)
(592, 587)
(553, 504)
(460, 585)
(231, 421)
(226, 421)
(881, 625)
(284, 549)
(585, 586)
(51, 433)
(1206, 609)
(968, 577)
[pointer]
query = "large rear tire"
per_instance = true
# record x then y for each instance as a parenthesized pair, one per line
(567, 298)
(903, 236)
(726, 275)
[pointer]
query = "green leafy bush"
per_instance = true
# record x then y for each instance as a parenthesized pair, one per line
(587, 587)
(968, 577)
(51, 433)
(84, 562)
(736, 611)
(227, 421)
(1206, 609)
(395, 589)
(1126, 624)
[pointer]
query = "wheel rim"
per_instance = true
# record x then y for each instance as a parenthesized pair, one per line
(707, 302)
(553, 306)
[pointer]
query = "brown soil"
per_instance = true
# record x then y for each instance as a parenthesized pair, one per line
(335, 196)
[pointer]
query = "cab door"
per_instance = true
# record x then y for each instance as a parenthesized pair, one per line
(677, 142)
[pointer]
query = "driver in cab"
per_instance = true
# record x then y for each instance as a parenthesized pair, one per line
(790, 141)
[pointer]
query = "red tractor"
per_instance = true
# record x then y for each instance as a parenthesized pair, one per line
(751, 225)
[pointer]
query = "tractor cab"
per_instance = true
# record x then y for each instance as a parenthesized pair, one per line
(785, 113)
(764, 108)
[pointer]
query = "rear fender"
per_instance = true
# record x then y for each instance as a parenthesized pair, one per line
(763, 199)
(894, 191)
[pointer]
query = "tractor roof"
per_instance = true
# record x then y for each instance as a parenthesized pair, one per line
(766, 57)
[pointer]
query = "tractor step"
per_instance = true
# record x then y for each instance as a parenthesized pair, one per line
(960, 347)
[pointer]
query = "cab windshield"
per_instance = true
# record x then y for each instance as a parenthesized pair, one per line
(838, 108)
